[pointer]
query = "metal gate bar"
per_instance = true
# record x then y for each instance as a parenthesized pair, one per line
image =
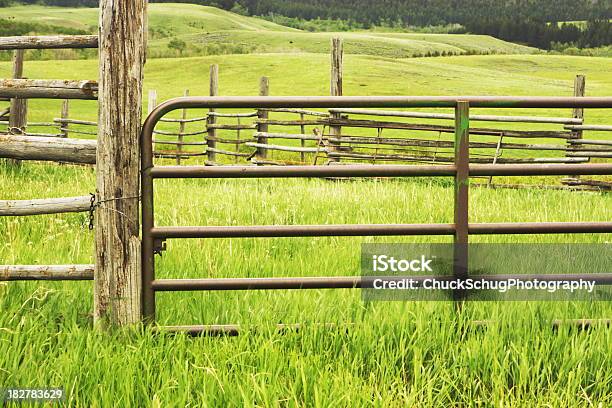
(153, 237)
(337, 282)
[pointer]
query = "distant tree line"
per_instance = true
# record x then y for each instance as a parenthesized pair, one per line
(595, 33)
(532, 22)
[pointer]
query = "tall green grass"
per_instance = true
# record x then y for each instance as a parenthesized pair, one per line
(381, 354)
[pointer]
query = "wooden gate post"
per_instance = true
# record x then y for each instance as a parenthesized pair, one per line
(211, 140)
(336, 90)
(117, 288)
(262, 114)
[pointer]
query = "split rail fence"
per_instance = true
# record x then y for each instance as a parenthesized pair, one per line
(292, 136)
(18, 143)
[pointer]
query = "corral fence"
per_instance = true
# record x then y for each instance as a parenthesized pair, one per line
(115, 203)
(154, 237)
(295, 136)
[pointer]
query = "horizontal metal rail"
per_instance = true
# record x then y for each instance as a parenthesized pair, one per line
(460, 170)
(370, 170)
(342, 282)
(229, 102)
(370, 230)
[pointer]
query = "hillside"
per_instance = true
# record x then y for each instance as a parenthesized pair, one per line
(201, 30)
(364, 75)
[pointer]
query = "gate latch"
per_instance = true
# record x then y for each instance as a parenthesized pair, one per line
(159, 245)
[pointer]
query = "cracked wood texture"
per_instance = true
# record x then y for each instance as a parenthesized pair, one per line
(117, 287)
(48, 42)
(48, 149)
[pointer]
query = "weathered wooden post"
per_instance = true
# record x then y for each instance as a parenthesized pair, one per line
(65, 114)
(179, 150)
(335, 132)
(122, 49)
(262, 114)
(211, 140)
(18, 113)
(577, 113)
(18, 117)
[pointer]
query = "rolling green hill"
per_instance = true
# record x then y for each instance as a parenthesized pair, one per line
(211, 31)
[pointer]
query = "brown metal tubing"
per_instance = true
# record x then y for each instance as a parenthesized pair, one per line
(368, 170)
(301, 171)
(266, 102)
(461, 196)
(541, 228)
(341, 282)
(148, 240)
(273, 231)
(348, 230)
(336, 282)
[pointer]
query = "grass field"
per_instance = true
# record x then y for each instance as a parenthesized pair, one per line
(419, 354)
(211, 31)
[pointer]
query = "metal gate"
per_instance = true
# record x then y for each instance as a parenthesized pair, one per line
(153, 238)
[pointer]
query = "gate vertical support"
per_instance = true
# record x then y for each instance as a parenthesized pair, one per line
(461, 218)
(122, 50)
(262, 114)
(211, 139)
(148, 244)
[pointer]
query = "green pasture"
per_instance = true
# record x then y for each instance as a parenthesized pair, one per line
(308, 74)
(381, 354)
(211, 31)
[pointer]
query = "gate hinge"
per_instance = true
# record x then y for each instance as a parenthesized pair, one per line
(159, 245)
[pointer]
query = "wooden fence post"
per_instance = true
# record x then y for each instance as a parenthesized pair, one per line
(65, 114)
(181, 132)
(336, 90)
(211, 140)
(117, 287)
(577, 113)
(18, 118)
(18, 114)
(264, 90)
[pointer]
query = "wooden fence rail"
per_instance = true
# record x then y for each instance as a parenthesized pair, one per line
(48, 42)
(46, 272)
(48, 149)
(44, 206)
(48, 89)
(482, 118)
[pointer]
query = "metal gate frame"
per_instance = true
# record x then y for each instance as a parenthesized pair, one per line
(153, 238)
